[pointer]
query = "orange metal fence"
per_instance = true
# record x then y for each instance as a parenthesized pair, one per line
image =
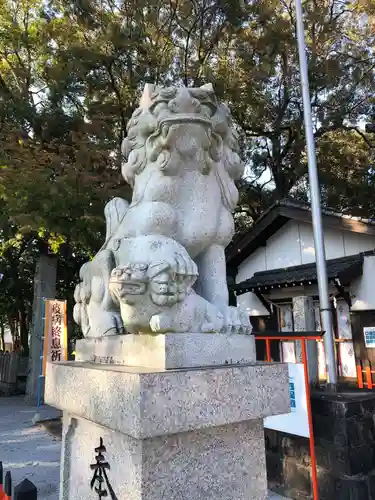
(364, 379)
(364, 376)
(302, 337)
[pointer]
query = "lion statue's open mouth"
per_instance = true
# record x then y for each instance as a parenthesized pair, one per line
(180, 119)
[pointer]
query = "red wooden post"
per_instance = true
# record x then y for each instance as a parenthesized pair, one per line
(308, 396)
(268, 350)
(368, 377)
(309, 416)
(8, 486)
(1, 481)
(360, 376)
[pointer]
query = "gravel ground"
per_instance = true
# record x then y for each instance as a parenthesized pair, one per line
(31, 451)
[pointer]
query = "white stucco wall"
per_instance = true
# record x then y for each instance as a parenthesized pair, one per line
(363, 289)
(256, 262)
(251, 304)
(356, 243)
(293, 245)
(283, 248)
(334, 243)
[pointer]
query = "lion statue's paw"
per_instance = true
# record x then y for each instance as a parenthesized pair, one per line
(236, 321)
(194, 315)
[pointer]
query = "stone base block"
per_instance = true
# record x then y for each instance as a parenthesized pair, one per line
(170, 351)
(189, 434)
(217, 463)
(146, 403)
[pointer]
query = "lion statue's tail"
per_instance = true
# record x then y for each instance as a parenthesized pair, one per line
(114, 213)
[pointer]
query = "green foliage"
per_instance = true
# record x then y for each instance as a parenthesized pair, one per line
(71, 75)
(263, 86)
(348, 178)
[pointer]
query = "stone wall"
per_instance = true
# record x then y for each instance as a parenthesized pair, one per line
(13, 369)
(345, 447)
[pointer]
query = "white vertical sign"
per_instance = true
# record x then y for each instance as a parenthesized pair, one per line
(369, 333)
(296, 422)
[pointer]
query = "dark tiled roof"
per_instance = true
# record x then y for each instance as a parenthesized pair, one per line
(287, 202)
(344, 268)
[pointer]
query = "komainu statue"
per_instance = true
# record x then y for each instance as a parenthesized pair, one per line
(162, 266)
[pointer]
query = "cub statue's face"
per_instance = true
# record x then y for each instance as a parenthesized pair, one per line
(176, 124)
(130, 283)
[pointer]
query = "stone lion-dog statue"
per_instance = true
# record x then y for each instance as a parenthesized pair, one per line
(162, 267)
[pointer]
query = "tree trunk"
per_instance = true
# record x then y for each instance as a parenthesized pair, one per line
(24, 331)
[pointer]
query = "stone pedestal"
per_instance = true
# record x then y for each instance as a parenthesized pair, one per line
(186, 433)
(169, 351)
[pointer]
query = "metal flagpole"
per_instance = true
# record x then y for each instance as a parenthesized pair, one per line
(316, 212)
